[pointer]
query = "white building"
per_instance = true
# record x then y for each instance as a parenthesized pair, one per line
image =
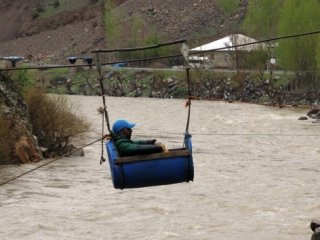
(223, 52)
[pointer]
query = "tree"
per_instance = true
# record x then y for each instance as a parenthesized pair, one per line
(137, 31)
(298, 54)
(136, 39)
(142, 35)
(261, 22)
(112, 24)
(229, 6)
(262, 16)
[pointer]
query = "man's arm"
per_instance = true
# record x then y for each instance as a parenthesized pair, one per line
(131, 149)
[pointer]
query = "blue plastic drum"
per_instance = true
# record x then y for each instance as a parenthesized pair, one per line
(174, 166)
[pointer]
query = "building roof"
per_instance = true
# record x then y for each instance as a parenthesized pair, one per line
(230, 41)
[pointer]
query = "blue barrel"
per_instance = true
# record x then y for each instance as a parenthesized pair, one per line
(174, 166)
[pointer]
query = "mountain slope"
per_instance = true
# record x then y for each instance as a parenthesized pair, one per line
(12, 16)
(79, 31)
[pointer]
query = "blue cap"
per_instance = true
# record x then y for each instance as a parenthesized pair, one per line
(121, 124)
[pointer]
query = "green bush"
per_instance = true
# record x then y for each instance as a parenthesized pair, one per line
(54, 120)
(22, 80)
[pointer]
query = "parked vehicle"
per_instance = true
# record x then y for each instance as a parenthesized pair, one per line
(121, 64)
(199, 62)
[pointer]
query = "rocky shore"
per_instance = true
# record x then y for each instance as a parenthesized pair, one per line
(238, 87)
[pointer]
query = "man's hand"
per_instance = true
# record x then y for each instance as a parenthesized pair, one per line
(157, 143)
(107, 137)
(164, 148)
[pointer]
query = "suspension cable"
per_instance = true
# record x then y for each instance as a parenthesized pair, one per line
(64, 155)
(257, 42)
(140, 48)
(161, 57)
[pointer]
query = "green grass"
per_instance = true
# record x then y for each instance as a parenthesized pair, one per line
(66, 5)
(49, 74)
(229, 6)
(57, 71)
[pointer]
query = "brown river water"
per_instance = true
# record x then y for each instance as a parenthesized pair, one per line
(256, 177)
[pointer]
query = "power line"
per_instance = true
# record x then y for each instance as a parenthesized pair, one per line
(244, 134)
(257, 134)
(257, 42)
(46, 67)
(140, 48)
(91, 65)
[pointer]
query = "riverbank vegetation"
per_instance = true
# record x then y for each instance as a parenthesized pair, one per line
(34, 123)
(300, 55)
(54, 120)
(253, 86)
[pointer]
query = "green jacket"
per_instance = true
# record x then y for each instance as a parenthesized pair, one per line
(127, 147)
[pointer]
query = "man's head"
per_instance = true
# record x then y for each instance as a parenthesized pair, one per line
(123, 127)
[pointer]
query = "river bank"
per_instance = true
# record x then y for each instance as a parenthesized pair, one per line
(248, 87)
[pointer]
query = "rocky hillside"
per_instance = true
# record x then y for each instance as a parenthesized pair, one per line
(18, 145)
(51, 38)
(78, 31)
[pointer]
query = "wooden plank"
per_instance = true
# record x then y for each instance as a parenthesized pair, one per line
(164, 155)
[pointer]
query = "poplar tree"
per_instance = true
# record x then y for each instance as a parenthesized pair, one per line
(298, 54)
(261, 22)
(262, 16)
(112, 24)
(137, 30)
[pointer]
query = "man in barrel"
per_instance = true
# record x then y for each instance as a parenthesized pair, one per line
(122, 131)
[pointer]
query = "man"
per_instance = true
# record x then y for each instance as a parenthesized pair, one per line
(122, 130)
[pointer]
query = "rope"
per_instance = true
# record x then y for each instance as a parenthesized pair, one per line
(64, 155)
(105, 115)
(188, 101)
(102, 91)
(102, 159)
(188, 104)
